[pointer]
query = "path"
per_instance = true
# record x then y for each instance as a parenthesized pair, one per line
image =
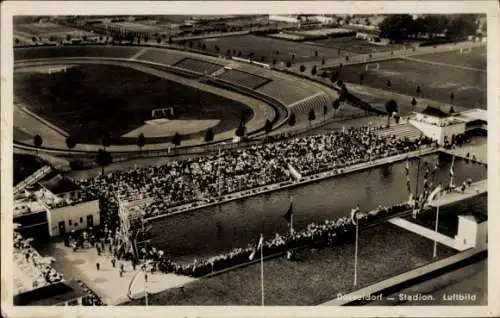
(107, 282)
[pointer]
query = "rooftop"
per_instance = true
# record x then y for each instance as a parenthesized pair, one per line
(433, 111)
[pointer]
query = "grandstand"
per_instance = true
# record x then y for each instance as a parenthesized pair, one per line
(243, 78)
(198, 66)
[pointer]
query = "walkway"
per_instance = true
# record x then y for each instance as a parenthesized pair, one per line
(423, 231)
(399, 279)
(476, 188)
(478, 148)
(107, 282)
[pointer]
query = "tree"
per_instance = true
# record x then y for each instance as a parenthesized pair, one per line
(302, 68)
(217, 49)
(52, 38)
(274, 62)
(316, 52)
(347, 58)
(361, 78)
(262, 58)
(158, 40)
(336, 104)
(16, 41)
(203, 46)
(323, 61)
(106, 141)
(103, 159)
(324, 74)
(311, 116)
(452, 110)
(291, 120)
(146, 38)
(452, 96)
(335, 76)
(413, 102)
(391, 107)
(240, 131)
(85, 38)
(228, 52)
(313, 70)
(141, 141)
(176, 139)
(268, 126)
(33, 39)
(37, 141)
(388, 83)
(68, 37)
(209, 135)
(70, 142)
(288, 64)
(419, 90)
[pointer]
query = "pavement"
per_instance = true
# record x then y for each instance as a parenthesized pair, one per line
(106, 281)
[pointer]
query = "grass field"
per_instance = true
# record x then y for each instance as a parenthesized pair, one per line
(46, 29)
(436, 82)
(267, 47)
(476, 58)
(316, 277)
(86, 100)
(354, 46)
(74, 51)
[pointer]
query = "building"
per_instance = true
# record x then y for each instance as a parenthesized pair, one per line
(285, 18)
(54, 206)
(438, 125)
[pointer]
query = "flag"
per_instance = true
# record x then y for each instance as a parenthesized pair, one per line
(288, 214)
(259, 246)
(452, 173)
(408, 184)
(354, 215)
(433, 194)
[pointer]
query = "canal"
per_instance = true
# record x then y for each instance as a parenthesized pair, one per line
(217, 229)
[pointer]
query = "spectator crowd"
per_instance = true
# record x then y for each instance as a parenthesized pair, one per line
(211, 176)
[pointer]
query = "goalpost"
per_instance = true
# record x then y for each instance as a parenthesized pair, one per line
(465, 51)
(375, 68)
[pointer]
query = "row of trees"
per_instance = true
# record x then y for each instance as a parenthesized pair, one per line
(400, 27)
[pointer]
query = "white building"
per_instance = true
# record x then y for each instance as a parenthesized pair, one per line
(438, 125)
(76, 217)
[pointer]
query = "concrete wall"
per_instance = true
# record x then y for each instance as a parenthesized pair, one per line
(436, 132)
(77, 214)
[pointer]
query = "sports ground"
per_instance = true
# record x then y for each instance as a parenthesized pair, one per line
(438, 75)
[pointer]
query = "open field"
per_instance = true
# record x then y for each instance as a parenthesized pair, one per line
(267, 47)
(475, 59)
(47, 29)
(75, 51)
(85, 100)
(354, 46)
(317, 276)
(161, 56)
(435, 81)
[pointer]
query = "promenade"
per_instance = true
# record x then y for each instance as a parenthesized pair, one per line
(106, 281)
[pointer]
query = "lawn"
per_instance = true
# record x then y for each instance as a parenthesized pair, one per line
(317, 276)
(267, 47)
(86, 100)
(476, 58)
(74, 51)
(354, 46)
(436, 82)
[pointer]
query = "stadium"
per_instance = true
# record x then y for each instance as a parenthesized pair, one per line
(174, 160)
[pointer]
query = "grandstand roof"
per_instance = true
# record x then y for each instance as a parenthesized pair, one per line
(433, 111)
(50, 295)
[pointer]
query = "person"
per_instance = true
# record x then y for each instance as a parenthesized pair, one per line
(98, 250)
(122, 267)
(121, 272)
(113, 262)
(97, 265)
(145, 277)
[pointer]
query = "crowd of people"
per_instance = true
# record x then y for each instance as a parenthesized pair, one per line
(45, 274)
(211, 176)
(329, 232)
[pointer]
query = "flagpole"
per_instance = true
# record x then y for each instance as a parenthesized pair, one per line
(356, 257)
(262, 271)
(452, 172)
(437, 220)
